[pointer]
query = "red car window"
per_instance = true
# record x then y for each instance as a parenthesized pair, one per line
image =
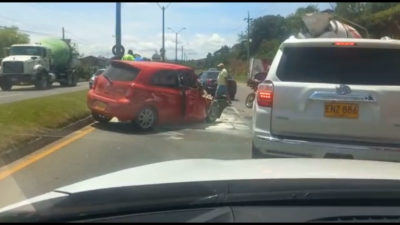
(165, 78)
(121, 72)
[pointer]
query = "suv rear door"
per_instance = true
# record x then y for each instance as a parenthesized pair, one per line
(340, 93)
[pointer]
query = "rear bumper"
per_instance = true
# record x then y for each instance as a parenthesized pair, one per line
(270, 146)
(124, 109)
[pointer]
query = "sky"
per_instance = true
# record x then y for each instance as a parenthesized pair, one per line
(209, 25)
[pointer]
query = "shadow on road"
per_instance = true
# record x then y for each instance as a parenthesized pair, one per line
(130, 128)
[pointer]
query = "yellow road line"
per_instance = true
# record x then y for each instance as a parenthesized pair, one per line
(47, 151)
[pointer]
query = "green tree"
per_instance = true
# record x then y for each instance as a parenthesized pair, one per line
(294, 21)
(10, 36)
(268, 49)
(267, 28)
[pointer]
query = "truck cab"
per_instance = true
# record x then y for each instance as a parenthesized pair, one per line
(24, 64)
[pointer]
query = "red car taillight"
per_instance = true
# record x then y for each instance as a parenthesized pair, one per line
(265, 94)
(209, 82)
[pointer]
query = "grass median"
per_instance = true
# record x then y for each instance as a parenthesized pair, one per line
(26, 120)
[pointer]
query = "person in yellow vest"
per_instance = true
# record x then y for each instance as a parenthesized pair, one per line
(129, 56)
(222, 83)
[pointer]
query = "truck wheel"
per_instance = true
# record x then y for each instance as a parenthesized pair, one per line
(42, 81)
(5, 84)
(74, 81)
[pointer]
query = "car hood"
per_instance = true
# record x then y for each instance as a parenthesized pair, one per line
(196, 170)
(22, 58)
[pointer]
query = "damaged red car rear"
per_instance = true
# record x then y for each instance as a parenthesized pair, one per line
(147, 93)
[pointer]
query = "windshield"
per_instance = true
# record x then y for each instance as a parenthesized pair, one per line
(148, 94)
(26, 51)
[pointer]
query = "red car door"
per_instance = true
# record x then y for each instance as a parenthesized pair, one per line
(166, 94)
(194, 103)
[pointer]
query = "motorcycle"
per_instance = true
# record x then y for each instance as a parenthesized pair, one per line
(216, 108)
(253, 84)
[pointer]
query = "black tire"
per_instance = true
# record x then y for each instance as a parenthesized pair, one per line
(42, 81)
(5, 84)
(71, 81)
(255, 153)
(232, 89)
(74, 81)
(213, 112)
(101, 118)
(146, 119)
(249, 100)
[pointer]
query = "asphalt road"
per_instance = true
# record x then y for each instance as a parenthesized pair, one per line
(100, 149)
(18, 93)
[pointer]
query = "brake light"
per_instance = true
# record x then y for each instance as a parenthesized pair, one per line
(345, 43)
(265, 94)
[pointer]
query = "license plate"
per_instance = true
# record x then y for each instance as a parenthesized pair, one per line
(101, 106)
(341, 110)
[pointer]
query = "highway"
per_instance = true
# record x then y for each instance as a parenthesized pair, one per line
(18, 93)
(100, 149)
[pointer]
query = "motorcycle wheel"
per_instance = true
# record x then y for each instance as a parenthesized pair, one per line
(249, 100)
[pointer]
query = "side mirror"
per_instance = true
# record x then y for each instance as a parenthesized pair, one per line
(33, 57)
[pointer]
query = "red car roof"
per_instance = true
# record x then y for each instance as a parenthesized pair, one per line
(153, 65)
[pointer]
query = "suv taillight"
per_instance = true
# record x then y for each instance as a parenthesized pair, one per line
(265, 94)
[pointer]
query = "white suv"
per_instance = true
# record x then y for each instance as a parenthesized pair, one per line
(330, 97)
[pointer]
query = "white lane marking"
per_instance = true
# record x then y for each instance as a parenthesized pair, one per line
(5, 96)
(172, 135)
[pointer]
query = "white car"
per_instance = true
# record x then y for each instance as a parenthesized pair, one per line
(332, 98)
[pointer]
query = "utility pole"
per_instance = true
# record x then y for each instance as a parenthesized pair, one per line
(163, 36)
(162, 51)
(248, 38)
(182, 53)
(176, 41)
(63, 33)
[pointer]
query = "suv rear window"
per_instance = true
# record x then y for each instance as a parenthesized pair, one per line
(363, 66)
(121, 72)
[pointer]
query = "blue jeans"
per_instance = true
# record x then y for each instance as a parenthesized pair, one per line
(221, 90)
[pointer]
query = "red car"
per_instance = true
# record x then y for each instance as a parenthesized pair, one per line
(147, 93)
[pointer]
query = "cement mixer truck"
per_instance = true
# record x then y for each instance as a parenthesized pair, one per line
(41, 64)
